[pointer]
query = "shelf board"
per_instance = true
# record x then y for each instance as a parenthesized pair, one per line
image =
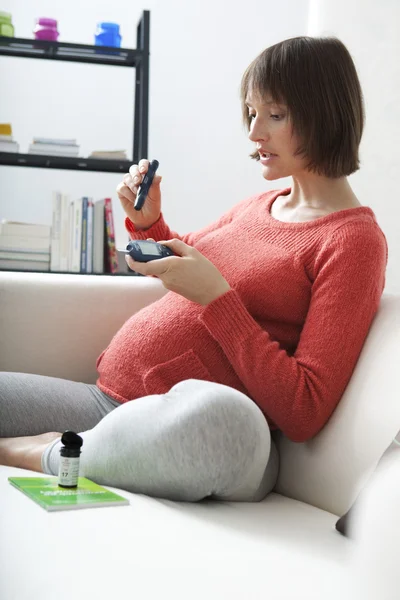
(74, 163)
(101, 55)
(124, 274)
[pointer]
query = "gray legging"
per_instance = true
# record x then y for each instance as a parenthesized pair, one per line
(198, 440)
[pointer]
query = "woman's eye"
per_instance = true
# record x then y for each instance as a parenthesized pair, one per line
(273, 117)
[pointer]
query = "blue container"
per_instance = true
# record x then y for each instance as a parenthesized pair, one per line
(107, 34)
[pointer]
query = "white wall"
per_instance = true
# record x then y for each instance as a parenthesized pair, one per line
(370, 31)
(199, 51)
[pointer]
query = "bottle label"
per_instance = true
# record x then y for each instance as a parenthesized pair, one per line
(69, 471)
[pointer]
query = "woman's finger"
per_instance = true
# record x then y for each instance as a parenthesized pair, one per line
(178, 247)
(144, 165)
(125, 192)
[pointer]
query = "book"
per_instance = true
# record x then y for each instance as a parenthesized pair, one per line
(64, 233)
(109, 154)
(89, 258)
(54, 141)
(25, 265)
(98, 236)
(38, 256)
(71, 233)
(77, 235)
(9, 146)
(52, 150)
(60, 233)
(24, 229)
(14, 243)
(46, 492)
(55, 233)
(82, 239)
(111, 250)
(84, 236)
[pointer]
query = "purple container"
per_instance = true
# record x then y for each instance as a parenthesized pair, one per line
(46, 29)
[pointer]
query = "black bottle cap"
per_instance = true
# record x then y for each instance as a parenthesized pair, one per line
(70, 439)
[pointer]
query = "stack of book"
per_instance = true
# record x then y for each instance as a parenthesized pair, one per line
(82, 235)
(24, 246)
(81, 239)
(7, 143)
(110, 154)
(54, 147)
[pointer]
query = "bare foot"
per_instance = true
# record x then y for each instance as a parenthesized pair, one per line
(26, 452)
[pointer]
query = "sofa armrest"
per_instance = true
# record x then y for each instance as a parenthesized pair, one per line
(58, 324)
(375, 527)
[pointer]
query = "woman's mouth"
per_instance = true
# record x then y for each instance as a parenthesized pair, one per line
(266, 157)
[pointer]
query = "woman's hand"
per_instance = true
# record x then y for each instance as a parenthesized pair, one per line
(189, 274)
(127, 192)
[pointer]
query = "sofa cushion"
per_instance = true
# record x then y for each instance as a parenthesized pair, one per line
(330, 470)
(278, 548)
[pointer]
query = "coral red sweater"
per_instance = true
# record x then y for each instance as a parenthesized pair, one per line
(289, 332)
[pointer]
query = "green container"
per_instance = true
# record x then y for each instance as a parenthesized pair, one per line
(6, 27)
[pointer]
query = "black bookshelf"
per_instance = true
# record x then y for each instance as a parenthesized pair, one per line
(137, 58)
(100, 55)
(64, 162)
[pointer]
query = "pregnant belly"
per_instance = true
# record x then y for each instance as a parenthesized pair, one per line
(155, 349)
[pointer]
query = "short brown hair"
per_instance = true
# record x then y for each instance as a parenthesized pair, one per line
(317, 80)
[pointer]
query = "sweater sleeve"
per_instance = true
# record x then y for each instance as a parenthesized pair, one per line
(160, 230)
(300, 392)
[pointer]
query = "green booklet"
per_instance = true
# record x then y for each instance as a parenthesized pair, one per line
(46, 492)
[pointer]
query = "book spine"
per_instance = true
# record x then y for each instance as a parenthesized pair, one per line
(76, 250)
(110, 235)
(98, 237)
(55, 233)
(89, 261)
(9, 147)
(64, 236)
(25, 265)
(53, 151)
(40, 257)
(71, 230)
(16, 243)
(83, 268)
(24, 229)
(55, 141)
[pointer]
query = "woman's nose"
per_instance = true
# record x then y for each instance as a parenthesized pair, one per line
(258, 131)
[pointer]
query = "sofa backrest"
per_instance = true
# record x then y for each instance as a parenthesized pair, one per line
(57, 324)
(331, 469)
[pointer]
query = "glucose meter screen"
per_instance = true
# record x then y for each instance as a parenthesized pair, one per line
(149, 248)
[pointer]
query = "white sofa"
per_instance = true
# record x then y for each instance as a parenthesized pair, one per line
(285, 547)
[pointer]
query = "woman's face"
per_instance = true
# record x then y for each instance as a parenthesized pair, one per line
(271, 130)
